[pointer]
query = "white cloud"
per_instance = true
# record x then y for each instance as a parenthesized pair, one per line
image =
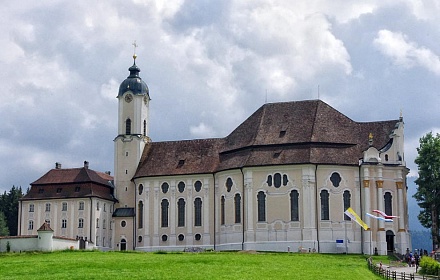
(406, 53)
(202, 131)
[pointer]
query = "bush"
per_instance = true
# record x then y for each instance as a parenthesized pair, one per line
(429, 266)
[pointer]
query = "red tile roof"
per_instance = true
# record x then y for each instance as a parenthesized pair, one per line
(73, 175)
(276, 134)
(45, 227)
(71, 183)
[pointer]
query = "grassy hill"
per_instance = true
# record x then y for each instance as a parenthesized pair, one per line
(212, 265)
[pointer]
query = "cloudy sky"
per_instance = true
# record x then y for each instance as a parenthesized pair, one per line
(209, 65)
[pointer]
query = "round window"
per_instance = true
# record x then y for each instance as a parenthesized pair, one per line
(335, 179)
(198, 186)
(181, 187)
(123, 223)
(141, 189)
(139, 238)
(165, 187)
(197, 236)
(181, 237)
(164, 237)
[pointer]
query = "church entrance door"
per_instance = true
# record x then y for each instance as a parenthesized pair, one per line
(82, 243)
(123, 245)
(390, 241)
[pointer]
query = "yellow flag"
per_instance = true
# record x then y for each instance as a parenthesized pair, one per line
(350, 212)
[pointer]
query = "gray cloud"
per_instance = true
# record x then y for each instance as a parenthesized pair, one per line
(208, 66)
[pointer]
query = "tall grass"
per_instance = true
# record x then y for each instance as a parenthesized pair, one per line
(212, 265)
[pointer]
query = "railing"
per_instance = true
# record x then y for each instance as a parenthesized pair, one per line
(391, 274)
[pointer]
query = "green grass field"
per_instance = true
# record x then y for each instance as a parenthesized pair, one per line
(212, 265)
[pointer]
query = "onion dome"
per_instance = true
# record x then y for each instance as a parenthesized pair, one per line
(134, 83)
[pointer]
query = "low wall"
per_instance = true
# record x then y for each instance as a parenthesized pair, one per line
(33, 243)
(19, 243)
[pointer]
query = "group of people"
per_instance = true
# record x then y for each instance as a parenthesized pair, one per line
(413, 260)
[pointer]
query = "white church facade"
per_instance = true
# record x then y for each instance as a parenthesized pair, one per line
(280, 181)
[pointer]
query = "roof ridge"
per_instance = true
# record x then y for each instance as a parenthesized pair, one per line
(256, 132)
(189, 140)
(312, 132)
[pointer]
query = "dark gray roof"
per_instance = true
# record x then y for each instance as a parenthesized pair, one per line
(134, 83)
(124, 212)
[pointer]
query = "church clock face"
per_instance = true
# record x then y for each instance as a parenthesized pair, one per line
(128, 98)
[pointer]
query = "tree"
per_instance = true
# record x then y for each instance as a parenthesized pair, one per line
(428, 191)
(9, 207)
(4, 231)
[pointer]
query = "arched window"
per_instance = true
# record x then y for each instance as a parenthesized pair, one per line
(97, 222)
(347, 204)
(145, 128)
(261, 198)
(324, 206)
(140, 214)
(63, 223)
(31, 225)
(222, 210)
(164, 211)
(123, 244)
(388, 203)
(198, 212)
(294, 205)
(181, 212)
(237, 203)
(80, 223)
(128, 126)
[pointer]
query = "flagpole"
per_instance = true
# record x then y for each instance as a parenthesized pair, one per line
(346, 245)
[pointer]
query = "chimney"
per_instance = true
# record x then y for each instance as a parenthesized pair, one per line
(57, 165)
(86, 164)
(107, 172)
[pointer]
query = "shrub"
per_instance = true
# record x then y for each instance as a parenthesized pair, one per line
(429, 266)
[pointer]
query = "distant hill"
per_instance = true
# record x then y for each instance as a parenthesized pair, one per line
(420, 236)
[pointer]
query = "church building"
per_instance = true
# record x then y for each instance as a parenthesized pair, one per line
(280, 181)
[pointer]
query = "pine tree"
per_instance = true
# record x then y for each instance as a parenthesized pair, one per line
(4, 231)
(428, 191)
(9, 207)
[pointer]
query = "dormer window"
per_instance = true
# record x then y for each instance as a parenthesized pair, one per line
(180, 163)
(282, 133)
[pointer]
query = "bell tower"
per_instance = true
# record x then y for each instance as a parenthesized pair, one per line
(133, 106)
